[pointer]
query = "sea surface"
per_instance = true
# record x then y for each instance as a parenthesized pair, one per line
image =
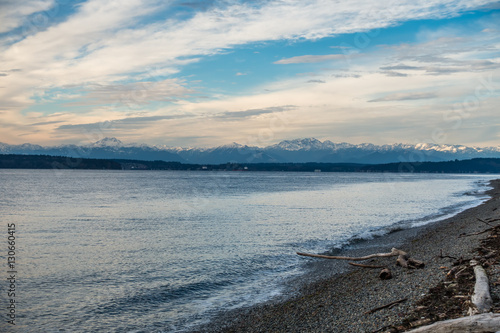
(162, 251)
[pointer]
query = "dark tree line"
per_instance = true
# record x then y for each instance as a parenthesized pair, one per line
(477, 165)
(55, 162)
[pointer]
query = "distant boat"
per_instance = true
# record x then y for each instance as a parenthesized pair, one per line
(317, 170)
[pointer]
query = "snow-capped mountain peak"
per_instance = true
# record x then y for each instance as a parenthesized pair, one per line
(288, 151)
(299, 144)
(233, 145)
(107, 142)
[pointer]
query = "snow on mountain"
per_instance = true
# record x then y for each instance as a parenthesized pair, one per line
(233, 145)
(29, 146)
(231, 153)
(313, 150)
(4, 148)
(107, 142)
(299, 144)
(287, 151)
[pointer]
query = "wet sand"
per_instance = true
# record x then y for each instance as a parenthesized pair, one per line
(325, 300)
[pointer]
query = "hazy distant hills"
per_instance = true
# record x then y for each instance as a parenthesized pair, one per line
(108, 148)
(289, 151)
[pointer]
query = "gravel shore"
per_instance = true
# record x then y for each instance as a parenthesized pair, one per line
(326, 302)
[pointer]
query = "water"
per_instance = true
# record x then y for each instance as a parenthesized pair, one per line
(130, 251)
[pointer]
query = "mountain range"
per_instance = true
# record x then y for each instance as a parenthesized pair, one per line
(288, 151)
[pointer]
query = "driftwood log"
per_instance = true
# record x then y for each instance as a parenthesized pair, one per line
(481, 297)
(403, 260)
(482, 323)
(406, 262)
(394, 252)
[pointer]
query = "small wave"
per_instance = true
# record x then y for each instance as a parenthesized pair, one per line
(440, 215)
(155, 297)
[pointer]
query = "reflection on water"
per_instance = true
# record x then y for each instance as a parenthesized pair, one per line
(118, 251)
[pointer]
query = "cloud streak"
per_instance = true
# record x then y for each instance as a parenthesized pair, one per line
(107, 55)
(135, 94)
(232, 115)
(308, 59)
(404, 97)
(118, 124)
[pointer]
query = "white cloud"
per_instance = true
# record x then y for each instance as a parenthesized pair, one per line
(307, 59)
(134, 95)
(405, 97)
(14, 13)
(101, 41)
(114, 43)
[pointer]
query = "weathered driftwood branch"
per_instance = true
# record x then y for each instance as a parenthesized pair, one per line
(366, 266)
(406, 262)
(416, 263)
(483, 323)
(394, 252)
(488, 253)
(403, 260)
(455, 272)
(485, 222)
(420, 322)
(477, 233)
(385, 306)
(481, 297)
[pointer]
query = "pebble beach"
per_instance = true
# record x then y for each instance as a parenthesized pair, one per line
(328, 301)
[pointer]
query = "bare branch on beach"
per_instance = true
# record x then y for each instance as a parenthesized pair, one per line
(484, 231)
(485, 222)
(477, 233)
(385, 306)
(394, 252)
(366, 266)
(403, 261)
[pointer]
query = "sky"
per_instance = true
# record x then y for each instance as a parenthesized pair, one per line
(207, 73)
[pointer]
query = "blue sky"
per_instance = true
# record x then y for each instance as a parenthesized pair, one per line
(206, 73)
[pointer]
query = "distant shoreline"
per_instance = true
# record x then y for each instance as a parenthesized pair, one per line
(476, 165)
